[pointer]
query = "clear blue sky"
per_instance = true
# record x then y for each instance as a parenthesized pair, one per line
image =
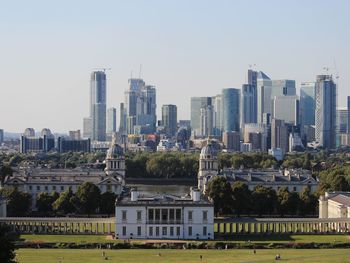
(186, 48)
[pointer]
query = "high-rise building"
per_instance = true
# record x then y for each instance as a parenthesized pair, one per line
(249, 104)
(87, 128)
(111, 120)
(307, 103)
(122, 118)
(217, 114)
(286, 108)
(325, 113)
(98, 105)
(283, 87)
(42, 144)
(342, 120)
(253, 130)
(231, 109)
(29, 132)
(263, 95)
(231, 140)
(74, 135)
(1, 136)
(252, 77)
(197, 103)
(279, 135)
(169, 119)
(348, 102)
(206, 121)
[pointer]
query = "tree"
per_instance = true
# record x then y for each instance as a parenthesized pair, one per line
(287, 203)
(220, 191)
(241, 198)
(87, 198)
(5, 170)
(44, 201)
(264, 200)
(18, 203)
(107, 203)
(308, 202)
(63, 204)
(7, 247)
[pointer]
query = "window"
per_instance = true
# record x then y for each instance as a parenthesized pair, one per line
(38, 187)
(124, 230)
(164, 214)
(190, 231)
(139, 215)
(205, 216)
(124, 215)
(157, 213)
(54, 187)
(190, 215)
(294, 188)
(46, 188)
(157, 231)
(178, 214)
(150, 214)
(150, 231)
(171, 231)
(62, 188)
(30, 187)
(164, 231)
(139, 231)
(172, 214)
(178, 230)
(204, 230)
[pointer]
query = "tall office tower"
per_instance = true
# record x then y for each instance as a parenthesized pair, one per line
(217, 115)
(98, 105)
(87, 128)
(249, 104)
(307, 110)
(206, 121)
(252, 77)
(286, 108)
(348, 128)
(169, 119)
(73, 145)
(122, 118)
(231, 109)
(75, 135)
(325, 113)
(111, 120)
(279, 135)
(197, 103)
(1, 136)
(29, 132)
(283, 87)
(263, 95)
(342, 120)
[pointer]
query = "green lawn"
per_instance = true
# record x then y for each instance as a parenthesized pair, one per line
(151, 255)
(239, 239)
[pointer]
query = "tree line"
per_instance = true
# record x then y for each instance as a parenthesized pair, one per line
(237, 199)
(87, 200)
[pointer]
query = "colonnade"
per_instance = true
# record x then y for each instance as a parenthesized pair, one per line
(280, 226)
(60, 225)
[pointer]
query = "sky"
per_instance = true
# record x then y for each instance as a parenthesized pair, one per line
(186, 48)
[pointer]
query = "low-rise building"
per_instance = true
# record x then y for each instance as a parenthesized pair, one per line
(164, 216)
(334, 205)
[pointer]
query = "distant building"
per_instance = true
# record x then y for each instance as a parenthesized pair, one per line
(75, 135)
(198, 103)
(87, 129)
(334, 205)
(42, 144)
(231, 109)
(111, 120)
(249, 104)
(307, 109)
(325, 114)
(29, 132)
(348, 107)
(217, 115)
(206, 121)
(231, 141)
(286, 108)
(164, 217)
(1, 136)
(263, 95)
(256, 134)
(122, 118)
(73, 145)
(279, 135)
(169, 119)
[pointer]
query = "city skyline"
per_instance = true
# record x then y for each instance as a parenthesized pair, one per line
(49, 74)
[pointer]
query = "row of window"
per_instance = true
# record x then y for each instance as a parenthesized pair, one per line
(46, 188)
(164, 215)
(155, 231)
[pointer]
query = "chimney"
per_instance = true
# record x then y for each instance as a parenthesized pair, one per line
(134, 195)
(195, 194)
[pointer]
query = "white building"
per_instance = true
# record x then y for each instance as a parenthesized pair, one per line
(334, 205)
(164, 217)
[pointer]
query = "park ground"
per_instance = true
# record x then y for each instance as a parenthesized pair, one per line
(176, 255)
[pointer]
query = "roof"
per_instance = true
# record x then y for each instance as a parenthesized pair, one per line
(342, 199)
(262, 75)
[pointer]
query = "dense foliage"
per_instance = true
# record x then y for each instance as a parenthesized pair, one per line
(7, 247)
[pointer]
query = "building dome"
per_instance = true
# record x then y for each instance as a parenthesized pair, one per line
(208, 151)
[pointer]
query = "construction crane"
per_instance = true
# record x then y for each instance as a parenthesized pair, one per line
(102, 69)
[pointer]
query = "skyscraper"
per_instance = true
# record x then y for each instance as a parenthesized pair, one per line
(217, 114)
(231, 109)
(307, 103)
(325, 113)
(169, 119)
(263, 95)
(206, 121)
(279, 135)
(98, 105)
(348, 102)
(122, 119)
(286, 108)
(111, 120)
(1, 136)
(197, 103)
(249, 104)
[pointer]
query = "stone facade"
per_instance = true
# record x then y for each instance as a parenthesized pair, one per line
(334, 205)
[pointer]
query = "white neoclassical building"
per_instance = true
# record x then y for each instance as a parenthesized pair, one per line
(37, 180)
(164, 217)
(334, 205)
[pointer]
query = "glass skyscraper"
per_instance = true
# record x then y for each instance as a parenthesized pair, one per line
(325, 113)
(197, 103)
(169, 119)
(231, 109)
(307, 103)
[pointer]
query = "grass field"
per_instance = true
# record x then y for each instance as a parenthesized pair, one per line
(239, 239)
(151, 255)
